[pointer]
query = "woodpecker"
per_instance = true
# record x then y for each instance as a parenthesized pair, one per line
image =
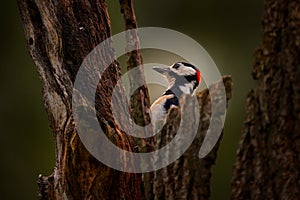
(183, 78)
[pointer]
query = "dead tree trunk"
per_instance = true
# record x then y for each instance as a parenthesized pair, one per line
(59, 36)
(268, 162)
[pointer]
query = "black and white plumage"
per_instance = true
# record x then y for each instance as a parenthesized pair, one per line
(183, 78)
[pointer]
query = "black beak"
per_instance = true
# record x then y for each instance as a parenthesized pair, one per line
(162, 70)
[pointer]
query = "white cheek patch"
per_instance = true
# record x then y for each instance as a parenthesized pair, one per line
(187, 88)
(184, 71)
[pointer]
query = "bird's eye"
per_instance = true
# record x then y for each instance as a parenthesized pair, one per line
(176, 65)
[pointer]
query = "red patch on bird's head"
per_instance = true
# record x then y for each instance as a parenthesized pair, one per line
(198, 74)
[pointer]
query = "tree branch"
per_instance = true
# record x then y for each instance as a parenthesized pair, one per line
(140, 100)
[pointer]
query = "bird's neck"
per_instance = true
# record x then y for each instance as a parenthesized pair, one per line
(179, 90)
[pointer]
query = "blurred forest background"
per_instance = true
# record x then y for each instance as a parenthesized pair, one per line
(229, 30)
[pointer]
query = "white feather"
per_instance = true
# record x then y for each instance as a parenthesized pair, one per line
(158, 112)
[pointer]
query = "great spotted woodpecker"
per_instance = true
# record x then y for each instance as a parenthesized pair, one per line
(183, 78)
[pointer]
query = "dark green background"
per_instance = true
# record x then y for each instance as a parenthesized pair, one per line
(229, 30)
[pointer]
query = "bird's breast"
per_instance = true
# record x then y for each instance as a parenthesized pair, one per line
(160, 108)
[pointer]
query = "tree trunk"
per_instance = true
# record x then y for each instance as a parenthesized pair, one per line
(59, 36)
(268, 162)
(189, 177)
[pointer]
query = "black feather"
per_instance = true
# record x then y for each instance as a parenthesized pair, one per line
(172, 101)
(189, 65)
(191, 78)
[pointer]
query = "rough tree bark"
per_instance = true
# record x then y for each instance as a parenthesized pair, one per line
(140, 100)
(59, 36)
(189, 177)
(268, 162)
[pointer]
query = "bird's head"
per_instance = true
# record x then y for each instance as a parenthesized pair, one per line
(181, 76)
